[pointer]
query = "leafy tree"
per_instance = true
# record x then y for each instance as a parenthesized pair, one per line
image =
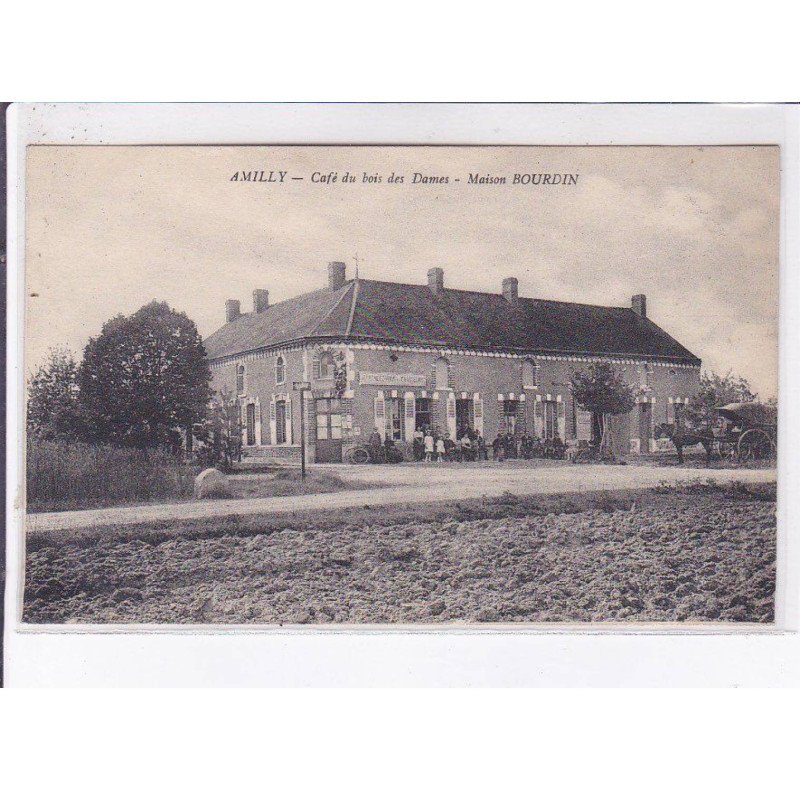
(602, 391)
(53, 404)
(219, 434)
(144, 378)
(715, 391)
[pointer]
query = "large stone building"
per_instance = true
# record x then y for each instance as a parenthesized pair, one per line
(396, 356)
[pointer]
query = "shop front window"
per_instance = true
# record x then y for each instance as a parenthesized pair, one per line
(423, 417)
(395, 424)
(510, 415)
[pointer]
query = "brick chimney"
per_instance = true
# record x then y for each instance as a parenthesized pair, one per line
(436, 279)
(639, 305)
(233, 309)
(336, 275)
(511, 289)
(260, 300)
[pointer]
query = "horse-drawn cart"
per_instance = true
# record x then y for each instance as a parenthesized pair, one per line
(747, 431)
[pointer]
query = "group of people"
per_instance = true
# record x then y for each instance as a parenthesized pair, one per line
(508, 446)
(429, 444)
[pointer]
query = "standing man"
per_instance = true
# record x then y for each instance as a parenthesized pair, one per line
(419, 444)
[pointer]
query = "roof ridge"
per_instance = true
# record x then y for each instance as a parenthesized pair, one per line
(343, 293)
(495, 294)
(352, 308)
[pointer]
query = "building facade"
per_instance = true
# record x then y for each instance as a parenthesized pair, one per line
(396, 357)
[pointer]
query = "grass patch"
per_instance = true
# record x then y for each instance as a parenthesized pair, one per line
(286, 483)
(66, 476)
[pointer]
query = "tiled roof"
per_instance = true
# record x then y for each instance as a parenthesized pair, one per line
(380, 311)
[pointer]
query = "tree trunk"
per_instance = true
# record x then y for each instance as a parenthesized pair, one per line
(605, 437)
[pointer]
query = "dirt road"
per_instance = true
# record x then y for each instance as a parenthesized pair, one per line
(412, 483)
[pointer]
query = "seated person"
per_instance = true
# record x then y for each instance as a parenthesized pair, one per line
(391, 453)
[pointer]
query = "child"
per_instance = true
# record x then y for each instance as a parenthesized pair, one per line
(428, 446)
(440, 449)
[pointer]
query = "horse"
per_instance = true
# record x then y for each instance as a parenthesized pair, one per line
(681, 437)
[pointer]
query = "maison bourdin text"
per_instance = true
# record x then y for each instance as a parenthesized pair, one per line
(360, 177)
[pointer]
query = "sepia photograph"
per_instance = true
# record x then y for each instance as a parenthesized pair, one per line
(441, 386)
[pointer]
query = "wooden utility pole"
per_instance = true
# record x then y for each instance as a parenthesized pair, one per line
(302, 387)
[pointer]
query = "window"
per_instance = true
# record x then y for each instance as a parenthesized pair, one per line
(442, 373)
(251, 424)
(327, 367)
(280, 370)
(530, 374)
(510, 416)
(240, 379)
(323, 367)
(423, 415)
(645, 373)
(280, 422)
(395, 423)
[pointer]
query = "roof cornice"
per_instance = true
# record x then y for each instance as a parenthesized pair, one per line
(365, 342)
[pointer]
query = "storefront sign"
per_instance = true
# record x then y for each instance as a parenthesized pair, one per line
(390, 379)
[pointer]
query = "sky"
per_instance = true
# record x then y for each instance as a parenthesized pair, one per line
(693, 228)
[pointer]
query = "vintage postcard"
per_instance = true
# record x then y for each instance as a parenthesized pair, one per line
(401, 385)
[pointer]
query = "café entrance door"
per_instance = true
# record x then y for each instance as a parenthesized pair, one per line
(464, 415)
(329, 430)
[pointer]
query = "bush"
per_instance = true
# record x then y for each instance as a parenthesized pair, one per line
(64, 475)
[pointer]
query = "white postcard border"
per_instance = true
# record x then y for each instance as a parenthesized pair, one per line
(544, 656)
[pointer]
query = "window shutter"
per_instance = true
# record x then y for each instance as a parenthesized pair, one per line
(243, 421)
(562, 421)
(538, 414)
(670, 411)
(410, 416)
(477, 405)
(451, 415)
(380, 414)
(273, 436)
(258, 423)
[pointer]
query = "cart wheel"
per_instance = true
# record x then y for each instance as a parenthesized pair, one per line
(754, 445)
(358, 455)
